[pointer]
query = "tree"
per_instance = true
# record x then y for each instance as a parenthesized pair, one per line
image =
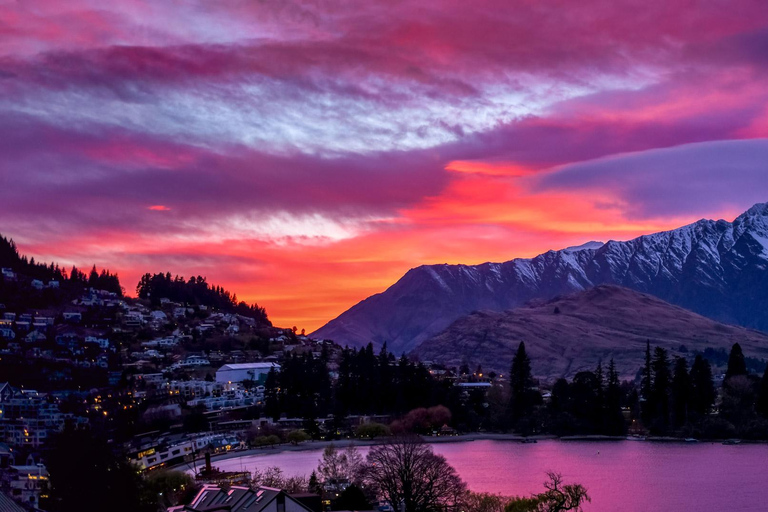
(556, 498)
(352, 498)
(736, 364)
(703, 392)
(614, 418)
(372, 430)
(172, 487)
(340, 465)
(660, 388)
(81, 463)
(273, 477)
(645, 385)
(407, 473)
(681, 392)
(762, 395)
(520, 381)
(314, 484)
(483, 502)
(297, 436)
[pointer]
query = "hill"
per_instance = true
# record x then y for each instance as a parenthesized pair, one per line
(714, 268)
(569, 334)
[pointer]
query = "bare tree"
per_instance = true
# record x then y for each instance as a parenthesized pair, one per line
(340, 465)
(274, 477)
(406, 473)
(556, 498)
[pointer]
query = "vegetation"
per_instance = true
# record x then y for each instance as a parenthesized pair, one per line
(88, 475)
(297, 436)
(70, 285)
(406, 470)
(372, 430)
(196, 291)
(557, 497)
(366, 384)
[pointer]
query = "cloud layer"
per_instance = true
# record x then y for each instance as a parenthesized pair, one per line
(306, 154)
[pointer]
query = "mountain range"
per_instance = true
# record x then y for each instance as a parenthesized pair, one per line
(714, 268)
(569, 334)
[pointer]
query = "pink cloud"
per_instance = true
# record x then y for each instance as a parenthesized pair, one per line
(185, 136)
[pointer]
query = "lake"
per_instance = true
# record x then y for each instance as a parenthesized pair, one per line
(623, 476)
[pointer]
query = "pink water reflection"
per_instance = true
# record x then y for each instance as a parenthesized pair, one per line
(621, 476)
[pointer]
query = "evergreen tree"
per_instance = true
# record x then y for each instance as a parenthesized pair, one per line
(314, 484)
(271, 396)
(600, 393)
(660, 388)
(681, 392)
(736, 363)
(762, 395)
(703, 392)
(645, 386)
(614, 418)
(520, 381)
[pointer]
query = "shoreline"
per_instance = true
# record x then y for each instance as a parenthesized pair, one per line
(463, 438)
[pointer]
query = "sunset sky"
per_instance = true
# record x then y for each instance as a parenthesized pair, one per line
(305, 155)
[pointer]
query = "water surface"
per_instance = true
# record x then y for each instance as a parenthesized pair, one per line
(625, 476)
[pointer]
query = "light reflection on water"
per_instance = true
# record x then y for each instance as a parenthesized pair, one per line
(626, 476)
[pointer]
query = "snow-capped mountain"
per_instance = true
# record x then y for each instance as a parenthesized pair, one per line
(715, 268)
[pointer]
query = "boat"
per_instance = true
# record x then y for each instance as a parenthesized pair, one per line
(528, 440)
(691, 440)
(732, 441)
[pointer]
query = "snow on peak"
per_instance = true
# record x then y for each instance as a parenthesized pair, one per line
(589, 245)
(757, 211)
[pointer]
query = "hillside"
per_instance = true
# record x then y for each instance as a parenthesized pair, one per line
(714, 268)
(571, 333)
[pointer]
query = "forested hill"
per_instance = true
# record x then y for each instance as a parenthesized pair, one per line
(23, 271)
(58, 285)
(196, 290)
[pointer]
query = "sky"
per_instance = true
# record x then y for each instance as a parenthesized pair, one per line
(305, 155)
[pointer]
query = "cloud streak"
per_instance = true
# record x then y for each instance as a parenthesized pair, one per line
(306, 154)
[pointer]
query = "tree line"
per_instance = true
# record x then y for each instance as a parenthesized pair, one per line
(364, 383)
(670, 396)
(196, 291)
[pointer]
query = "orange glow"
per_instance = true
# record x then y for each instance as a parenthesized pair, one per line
(486, 213)
(159, 208)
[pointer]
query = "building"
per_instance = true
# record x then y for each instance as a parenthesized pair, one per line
(25, 483)
(238, 372)
(29, 418)
(242, 499)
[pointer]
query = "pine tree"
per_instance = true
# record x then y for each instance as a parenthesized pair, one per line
(681, 392)
(660, 387)
(600, 393)
(762, 395)
(736, 363)
(703, 392)
(615, 424)
(520, 380)
(646, 386)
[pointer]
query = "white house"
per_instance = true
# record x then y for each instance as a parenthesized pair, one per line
(238, 372)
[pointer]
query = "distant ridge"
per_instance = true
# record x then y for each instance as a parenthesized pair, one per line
(572, 333)
(714, 268)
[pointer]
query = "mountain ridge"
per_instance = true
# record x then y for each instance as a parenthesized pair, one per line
(572, 333)
(713, 267)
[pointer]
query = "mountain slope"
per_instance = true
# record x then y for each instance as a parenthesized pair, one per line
(715, 268)
(570, 334)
